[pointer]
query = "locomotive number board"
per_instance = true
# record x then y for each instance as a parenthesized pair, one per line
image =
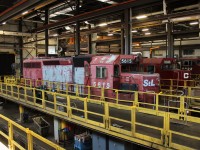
(126, 61)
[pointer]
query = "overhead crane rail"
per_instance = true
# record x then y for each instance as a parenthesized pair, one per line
(153, 125)
(10, 130)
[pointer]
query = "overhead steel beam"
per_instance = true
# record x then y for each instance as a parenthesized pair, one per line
(91, 15)
(10, 33)
(19, 8)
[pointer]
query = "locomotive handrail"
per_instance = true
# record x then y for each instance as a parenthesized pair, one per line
(123, 126)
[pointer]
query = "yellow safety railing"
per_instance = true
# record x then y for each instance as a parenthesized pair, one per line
(13, 132)
(167, 101)
(135, 122)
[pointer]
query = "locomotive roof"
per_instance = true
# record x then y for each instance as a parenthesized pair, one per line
(110, 59)
(155, 60)
(190, 58)
(39, 59)
(106, 59)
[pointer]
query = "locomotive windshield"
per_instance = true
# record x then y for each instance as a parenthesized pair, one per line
(128, 68)
(169, 66)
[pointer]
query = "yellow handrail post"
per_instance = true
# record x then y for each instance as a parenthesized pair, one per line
(25, 94)
(34, 96)
(157, 102)
(67, 88)
(29, 139)
(10, 133)
(185, 83)
(89, 91)
(43, 99)
(11, 90)
(77, 93)
(166, 129)
(136, 99)
(55, 102)
(133, 120)
(106, 110)
(102, 94)
(69, 109)
(189, 91)
(117, 96)
(85, 109)
(182, 108)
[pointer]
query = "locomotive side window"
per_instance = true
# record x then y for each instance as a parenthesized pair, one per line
(167, 67)
(51, 62)
(150, 69)
(116, 70)
(101, 72)
(32, 65)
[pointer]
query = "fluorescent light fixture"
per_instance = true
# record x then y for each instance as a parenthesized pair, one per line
(134, 31)
(55, 34)
(4, 23)
(86, 22)
(107, 1)
(141, 17)
(67, 28)
(148, 33)
(146, 29)
(194, 23)
(110, 34)
(26, 12)
(102, 24)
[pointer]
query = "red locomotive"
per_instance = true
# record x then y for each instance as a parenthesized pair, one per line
(106, 71)
(168, 68)
(190, 63)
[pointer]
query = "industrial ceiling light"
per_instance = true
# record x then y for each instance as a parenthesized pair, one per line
(194, 23)
(55, 34)
(107, 1)
(110, 34)
(146, 29)
(67, 28)
(26, 12)
(4, 23)
(134, 31)
(86, 22)
(102, 24)
(148, 33)
(141, 17)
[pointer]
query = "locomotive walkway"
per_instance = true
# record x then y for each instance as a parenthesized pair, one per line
(156, 128)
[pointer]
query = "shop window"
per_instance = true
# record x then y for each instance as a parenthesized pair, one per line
(101, 72)
(188, 52)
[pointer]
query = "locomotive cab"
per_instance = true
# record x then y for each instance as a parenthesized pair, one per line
(120, 72)
(168, 68)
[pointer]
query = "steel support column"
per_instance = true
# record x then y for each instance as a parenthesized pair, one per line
(170, 40)
(46, 32)
(127, 30)
(89, 41)
(20, 48)
(36, 43)
(77, 34)
(122, 36)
